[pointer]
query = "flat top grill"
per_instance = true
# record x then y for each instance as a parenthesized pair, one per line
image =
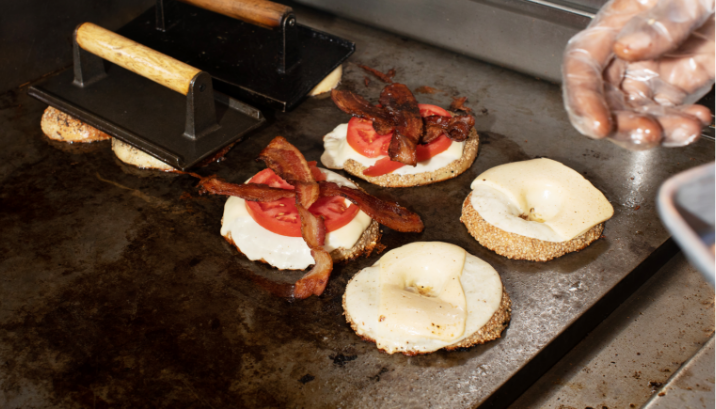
(117, 288)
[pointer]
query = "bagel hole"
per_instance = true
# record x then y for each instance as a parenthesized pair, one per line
(531, 216)
(424, 290)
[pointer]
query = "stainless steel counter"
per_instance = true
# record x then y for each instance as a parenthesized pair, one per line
(654, 351)
(117, 289)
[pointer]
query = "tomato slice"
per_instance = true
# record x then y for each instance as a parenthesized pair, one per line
(423, 153)
(428, 110)
(365, 140)
(281, 216)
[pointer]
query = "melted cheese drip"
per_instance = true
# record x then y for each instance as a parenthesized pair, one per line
(331, 81)
(283, 252)
(539, 198)
(338, 151)
(480, 284)
(135, 157)
(420, 292)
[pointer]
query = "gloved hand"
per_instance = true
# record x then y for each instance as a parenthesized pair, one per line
(633, 74)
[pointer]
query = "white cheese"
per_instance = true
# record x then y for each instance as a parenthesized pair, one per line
(481, 288)
(420, 292)
(338, 151)
(283, 252)
(539, 198)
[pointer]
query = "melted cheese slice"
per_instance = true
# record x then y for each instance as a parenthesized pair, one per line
(420, 292)
(364, 301)
(331, 81)
(539, 198)
(338, 151)
(283, 252)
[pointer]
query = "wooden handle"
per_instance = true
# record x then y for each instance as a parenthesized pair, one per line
(259, 12)
(135, 57)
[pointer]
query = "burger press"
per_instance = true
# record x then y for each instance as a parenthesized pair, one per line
(255, 50)
(160, 105)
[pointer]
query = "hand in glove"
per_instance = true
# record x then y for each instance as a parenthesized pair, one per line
(634, 73)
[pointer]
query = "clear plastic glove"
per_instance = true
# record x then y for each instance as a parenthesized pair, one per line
(633, 74)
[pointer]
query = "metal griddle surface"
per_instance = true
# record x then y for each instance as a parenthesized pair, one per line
(117, 289)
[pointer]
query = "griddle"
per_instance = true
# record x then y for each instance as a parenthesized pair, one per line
(117, 289)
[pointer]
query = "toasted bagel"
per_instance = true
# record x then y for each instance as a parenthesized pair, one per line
(59, 126)
(518, 247)
(450, 171)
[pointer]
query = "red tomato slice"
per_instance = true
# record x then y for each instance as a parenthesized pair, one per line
(423, 153)
(281, 216)
(363, 138)
(428, 110)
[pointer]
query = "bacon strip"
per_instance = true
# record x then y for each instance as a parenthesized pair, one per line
(250, 191)
(456, 128)
(314, 282)
(288, 162)
(387, 77)
(403, 108)
(356, 105)
(313, 231)
(389, 214)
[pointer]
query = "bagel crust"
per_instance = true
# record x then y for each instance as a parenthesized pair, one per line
(518, 247)
(488, 332)
(59, 126)
(450, 171)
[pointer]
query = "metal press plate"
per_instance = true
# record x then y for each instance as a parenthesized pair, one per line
(117, 289)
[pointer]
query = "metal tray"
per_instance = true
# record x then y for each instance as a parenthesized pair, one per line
(686, 206)
(117, 289)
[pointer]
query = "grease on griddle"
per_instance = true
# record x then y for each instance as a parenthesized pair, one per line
(458, 104)
(426, 90)
(341, 360)
(385, 77)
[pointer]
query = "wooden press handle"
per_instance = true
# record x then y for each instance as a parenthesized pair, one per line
(135, 57)
(259, 12)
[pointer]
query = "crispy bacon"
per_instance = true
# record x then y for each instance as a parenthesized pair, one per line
(249, 191)
(456, 128)
(313, 231)
(387, 77)
(435, 126)
(314, 282)
(356, 105)
(389, 214)
(458, 104)
(403, 108)
(288, 163)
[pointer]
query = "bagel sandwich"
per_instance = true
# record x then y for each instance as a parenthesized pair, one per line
(292, 215)
(427, 296)
(399, 143)
(534, 210)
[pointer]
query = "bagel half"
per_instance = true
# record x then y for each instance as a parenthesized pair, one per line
(59, 126)
(518, 247)
(397, 303)
(450, 171)
(491, 331)
(291, 253)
